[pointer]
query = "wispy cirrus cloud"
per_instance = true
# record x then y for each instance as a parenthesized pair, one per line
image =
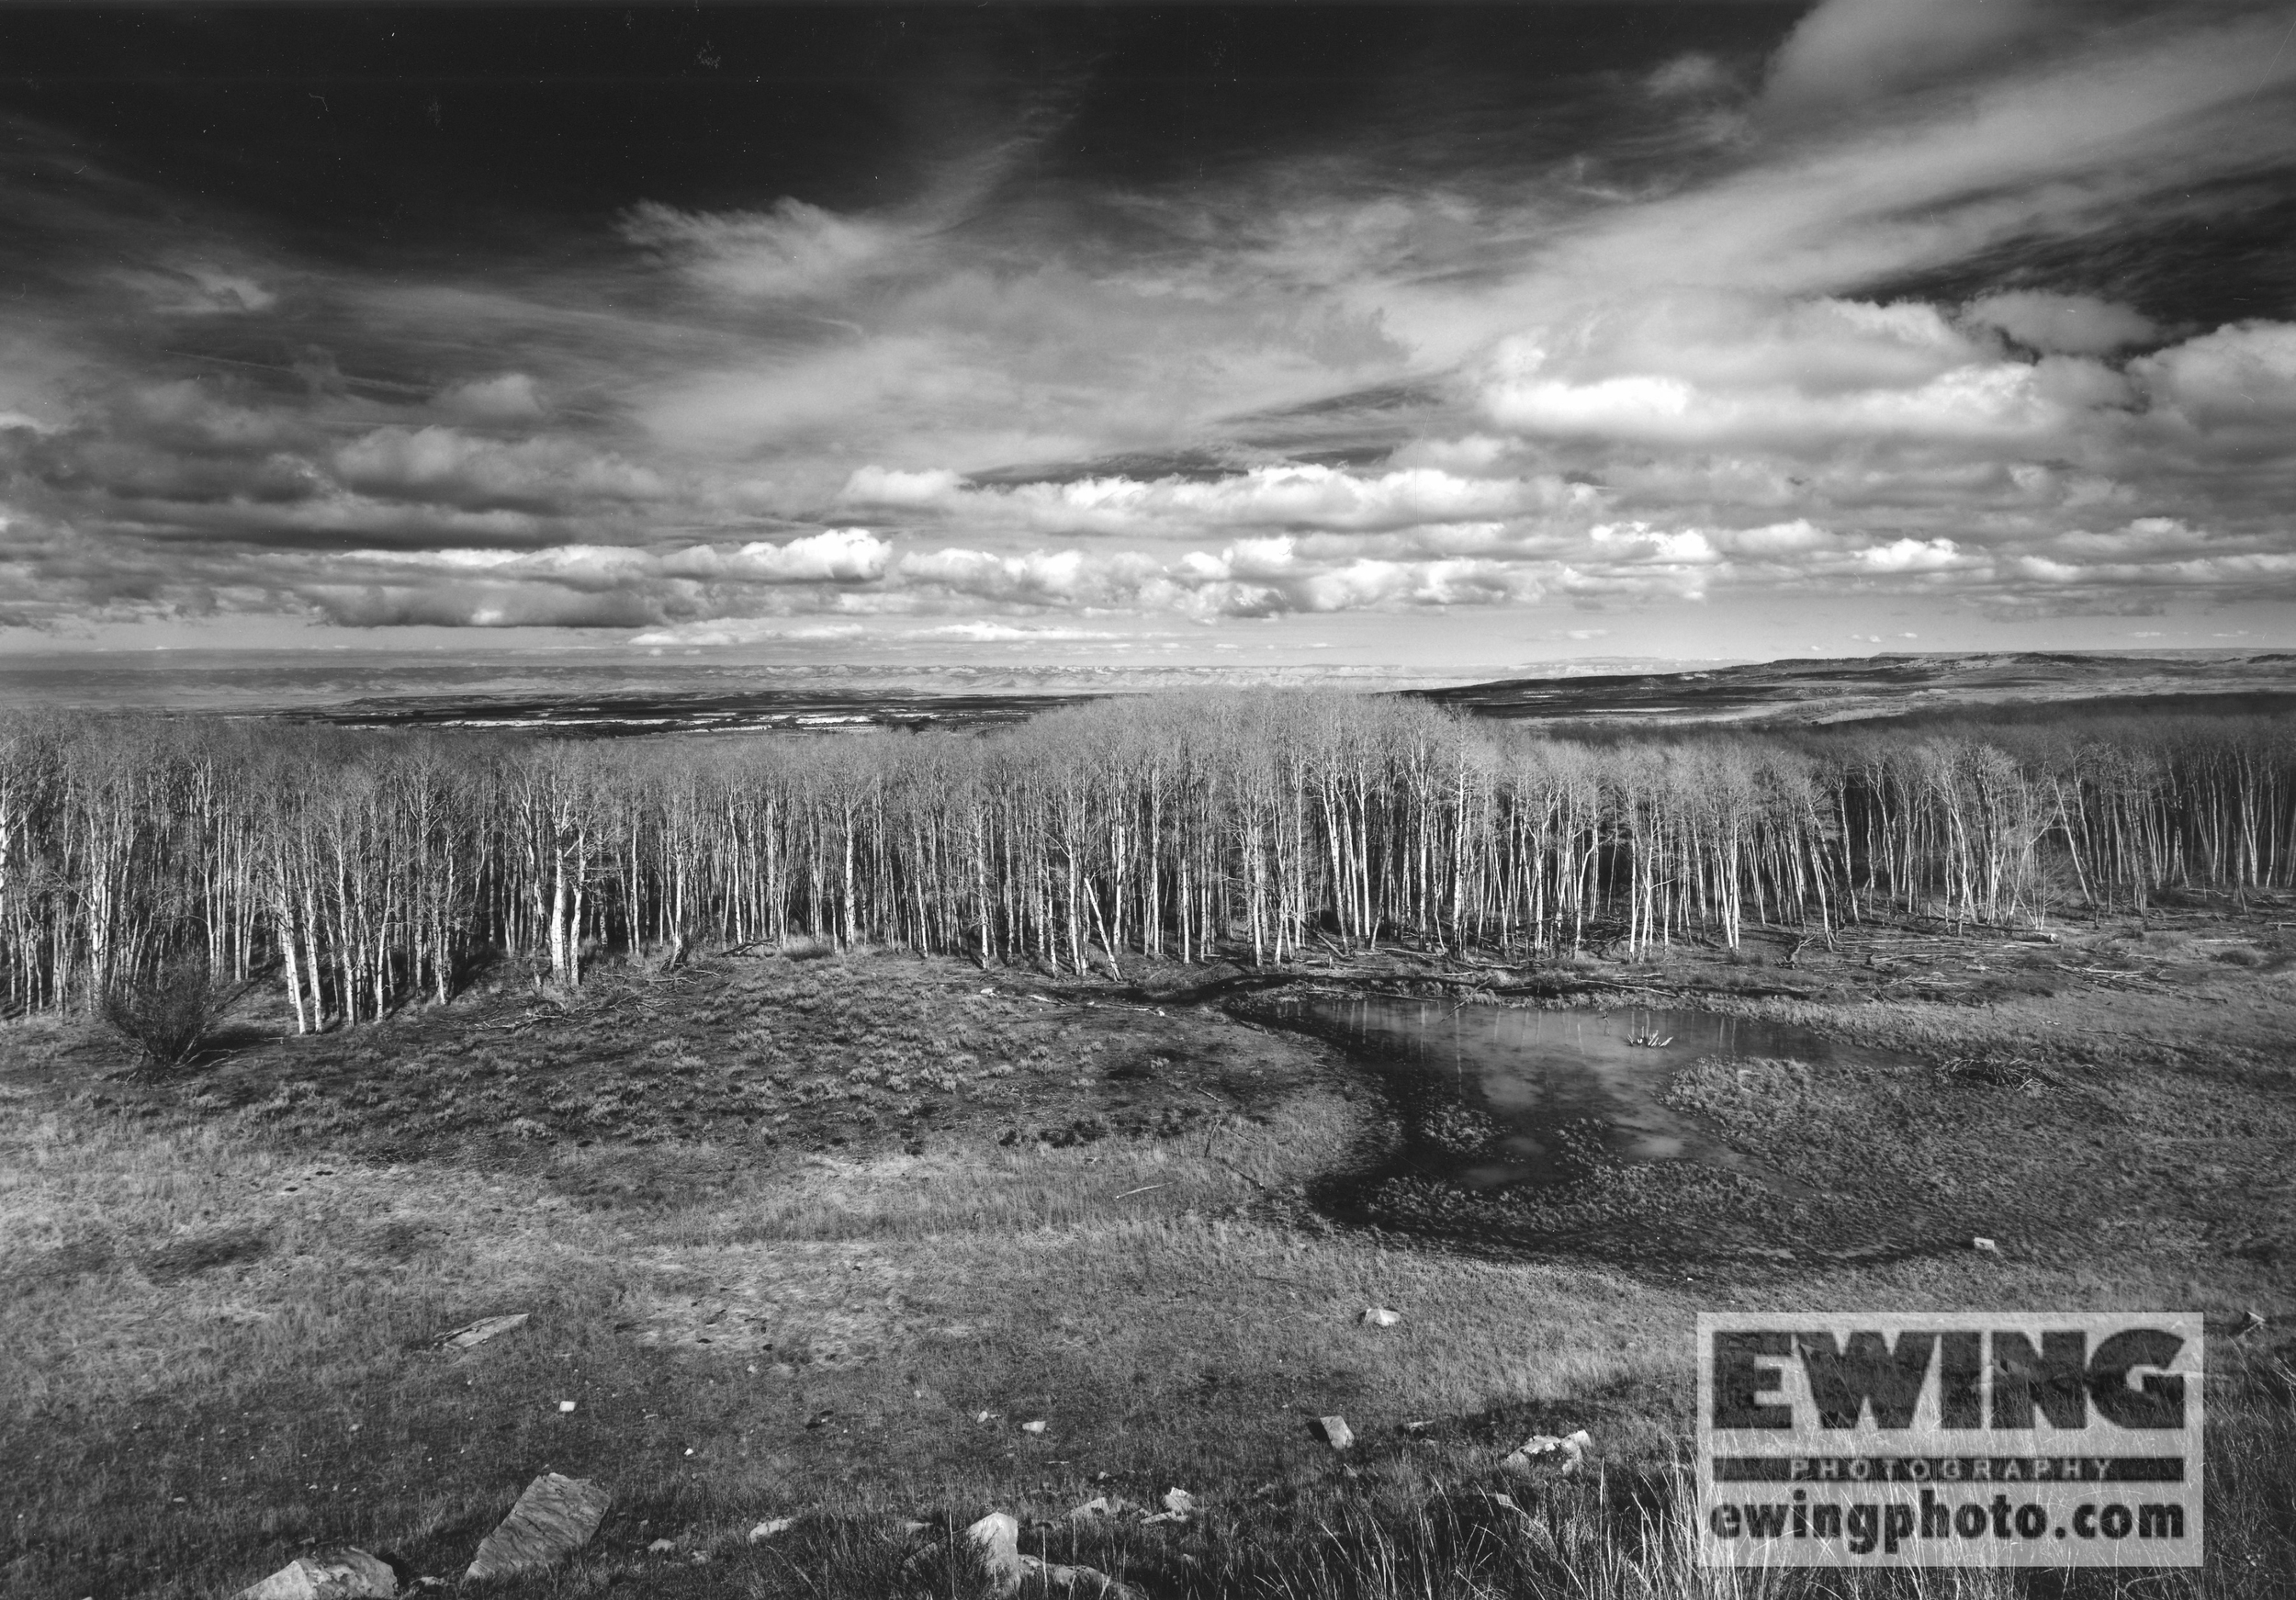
(790, 251)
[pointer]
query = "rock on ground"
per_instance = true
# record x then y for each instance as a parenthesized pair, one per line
(1567, 1453)
(997, 1538)
(345, 1574)
(1089, 1583)
(554, 1517)
(1335, 1431)
(473, 1335)
(1179, 1506)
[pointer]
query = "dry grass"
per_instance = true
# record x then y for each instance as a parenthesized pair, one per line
(220, 1346)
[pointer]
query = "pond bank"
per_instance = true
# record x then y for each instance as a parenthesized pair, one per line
(1840, 1124)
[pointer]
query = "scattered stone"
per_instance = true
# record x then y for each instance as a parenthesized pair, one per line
(1335, 1432)
(565, 1406)
(2252, 1322)
(997, 1538)
(1417, 1428)
(1097, 1506)
(1085, 1581)
(1566, 1454)
(1379, 1316)
(473, 1335)
(1033, 1427)
(554, 1517)
(344, 1574)
(1179, 1506)
(662, 1547)
(771, 1528)
(1989, 1247)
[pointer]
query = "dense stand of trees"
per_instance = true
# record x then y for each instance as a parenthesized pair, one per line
(359, 871)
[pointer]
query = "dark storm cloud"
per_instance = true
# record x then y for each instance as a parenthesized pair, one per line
(658, 319)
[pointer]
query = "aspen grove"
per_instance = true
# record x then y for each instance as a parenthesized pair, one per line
(360, 871)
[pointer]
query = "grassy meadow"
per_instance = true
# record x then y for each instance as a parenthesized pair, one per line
(813, 1235)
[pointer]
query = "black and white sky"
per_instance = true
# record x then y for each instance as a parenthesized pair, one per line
(1433, 334)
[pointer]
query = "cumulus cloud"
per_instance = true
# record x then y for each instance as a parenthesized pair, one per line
(2238, 382)
(443, 464)
(998, 632)
(1295, 495)
(832, 556)
(1247, 578)
(874, 485)
(507, 398)
(1796, 375)
(733, 631)
(614, 586)
(185, 414)
(1775, 539)
(2066, 324)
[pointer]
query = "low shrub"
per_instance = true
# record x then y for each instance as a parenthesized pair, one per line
(167, 1011)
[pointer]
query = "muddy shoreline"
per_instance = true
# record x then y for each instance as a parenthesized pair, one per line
(2012, 1061)
(1591, 1205)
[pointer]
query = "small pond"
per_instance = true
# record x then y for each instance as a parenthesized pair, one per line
(1537, 1075)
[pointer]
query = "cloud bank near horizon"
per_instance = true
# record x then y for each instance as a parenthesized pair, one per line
(1872, 297)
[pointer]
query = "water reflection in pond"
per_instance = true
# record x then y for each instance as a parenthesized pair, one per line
(1539, 1074)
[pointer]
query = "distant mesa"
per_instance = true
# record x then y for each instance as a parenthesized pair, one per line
(757, 711)
(1864, 689)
